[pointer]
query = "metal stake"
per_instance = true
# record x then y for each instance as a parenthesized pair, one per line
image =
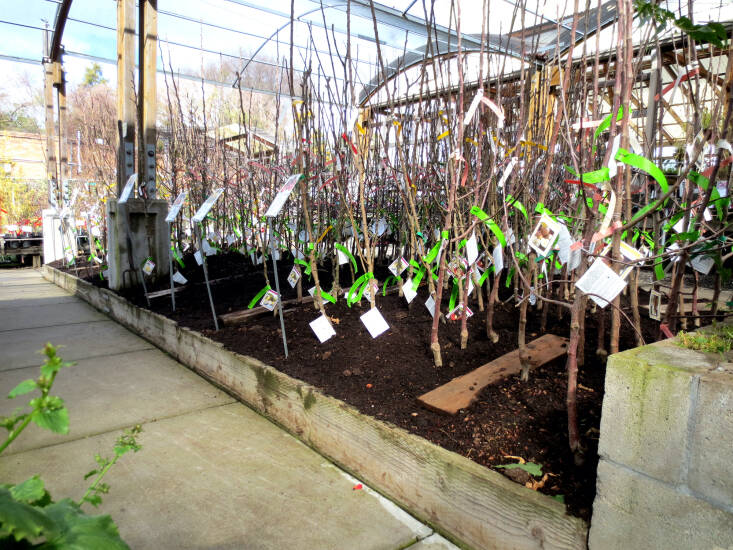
(170, 268)
(277, 288)
(206, 278)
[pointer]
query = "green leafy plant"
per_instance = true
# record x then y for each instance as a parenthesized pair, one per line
(718, 340)
(711, 32)
(29, 517)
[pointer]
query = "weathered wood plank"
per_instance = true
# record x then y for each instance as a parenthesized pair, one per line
(460, 392)
(236, 317)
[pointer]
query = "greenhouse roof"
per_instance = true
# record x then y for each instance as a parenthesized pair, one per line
(220, 39)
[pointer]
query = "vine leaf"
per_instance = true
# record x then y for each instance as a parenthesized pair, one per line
(74, 530)
(21, 520)
(30, 491)
(26, 386)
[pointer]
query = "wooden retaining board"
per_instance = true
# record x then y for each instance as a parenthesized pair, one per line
(460, 392)
(472, 505)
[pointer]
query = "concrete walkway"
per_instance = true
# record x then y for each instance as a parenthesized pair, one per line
(212, 473)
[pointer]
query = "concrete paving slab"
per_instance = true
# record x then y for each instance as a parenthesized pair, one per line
(19, 273)
(25, 299)
(79, 341)
(222, 478)
(113, 392)
(19, 318)
(13, 283)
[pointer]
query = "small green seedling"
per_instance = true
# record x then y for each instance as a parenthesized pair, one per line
(717, 340)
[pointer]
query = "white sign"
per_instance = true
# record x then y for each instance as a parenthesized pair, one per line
(703, 264)
(127, 190)
(430, 304)
(208, 203)
(408, 291)
(207, 248)
(374, 322)
(294, 276)
(472, 249)
(601, 283)
(178, 278)
(176, 207)
(322, 328)
(270, 300)
(544, 235)
(148, 267)
(282, 196)
(398, 266)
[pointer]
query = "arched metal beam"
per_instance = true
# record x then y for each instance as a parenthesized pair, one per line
(62, 13)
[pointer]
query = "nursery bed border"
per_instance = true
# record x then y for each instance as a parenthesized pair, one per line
(470, 504)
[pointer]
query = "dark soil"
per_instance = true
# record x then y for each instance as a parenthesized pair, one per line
(383, 377)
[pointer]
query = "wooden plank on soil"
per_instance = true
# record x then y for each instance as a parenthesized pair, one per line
(460, 392)
(236, 317)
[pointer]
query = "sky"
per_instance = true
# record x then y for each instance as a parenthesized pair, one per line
(235, 27)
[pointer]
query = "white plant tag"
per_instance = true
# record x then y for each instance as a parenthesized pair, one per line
(270, 299)
(294, 276)
(430, 304)
(207, 248)
(342, 258)
(322, 328)
(398, 266)
(544, 235)
(408, 291)
(679, 227)
(703, 264)
(498, 259)
(472, 249)
(231, 239)
(206, 206)
(374, 322)
(127, 190)
(312, 290)
(148, 266)
(178, 278)
(197, 256)
(564, 241)
(282, 196)
(655, 305)
(601, 283)
(176, 207)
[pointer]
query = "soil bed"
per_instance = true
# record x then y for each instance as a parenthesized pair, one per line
(384, 377)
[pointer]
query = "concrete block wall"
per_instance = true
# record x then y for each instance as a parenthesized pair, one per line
(665, 475)
(149, 236)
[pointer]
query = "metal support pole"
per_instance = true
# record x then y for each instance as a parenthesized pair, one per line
(277, 288)
(170, 268)
(206, 278)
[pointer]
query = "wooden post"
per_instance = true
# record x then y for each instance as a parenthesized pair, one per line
(125, 91)
(147, 99)
(60, 85)
(51, 172)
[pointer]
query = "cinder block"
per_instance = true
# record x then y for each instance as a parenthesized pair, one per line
(711, 457)
(645, 413)
(634, 511)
